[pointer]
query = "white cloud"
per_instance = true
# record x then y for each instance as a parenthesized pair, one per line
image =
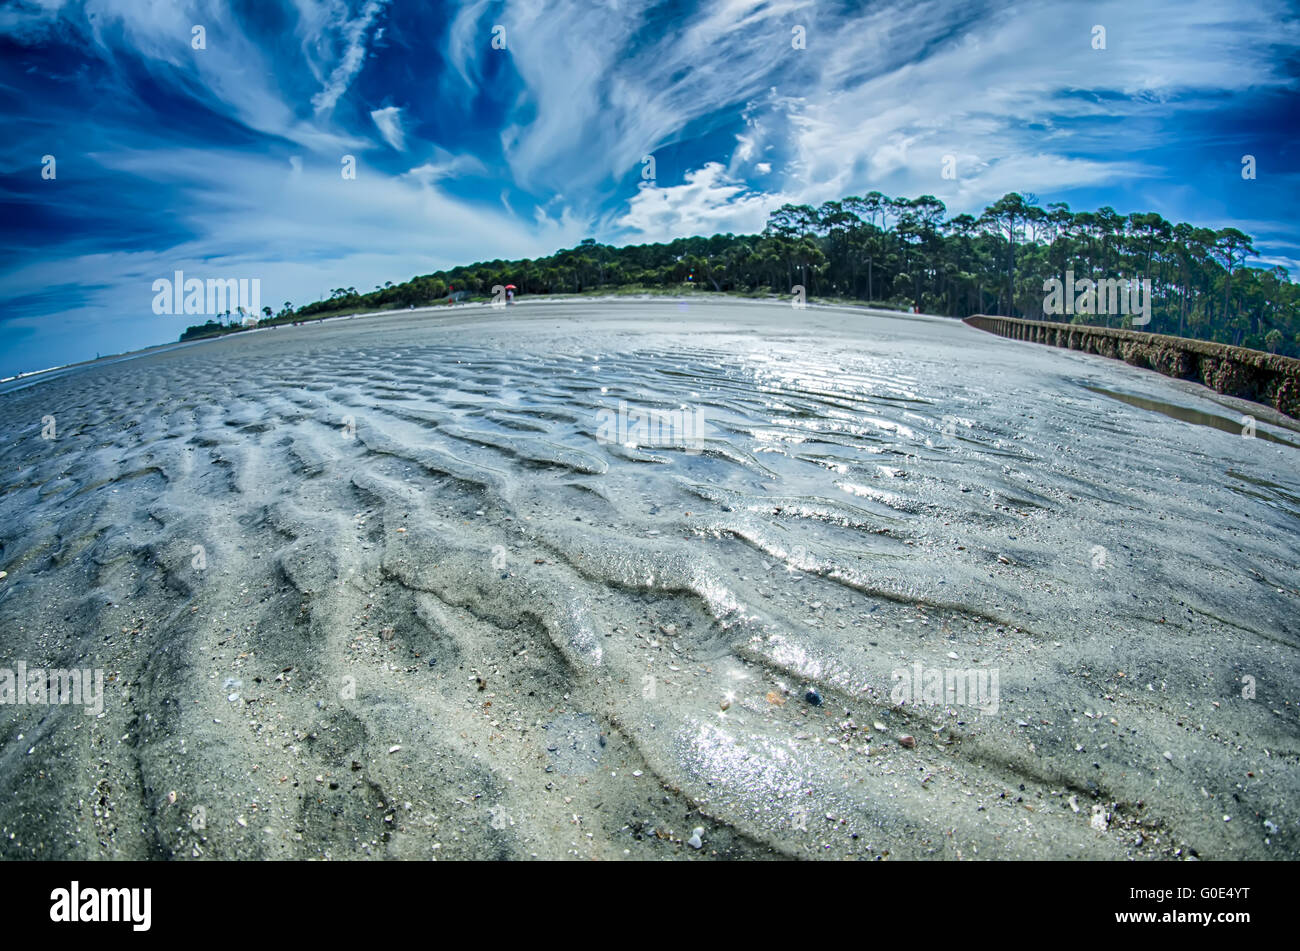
(354, 31)
(900, 88)
(233, 75)
(389, 122)
(879, 96)
(462, 41)
(707, 203)
(445, 165)
(882, 93)
(300, 230)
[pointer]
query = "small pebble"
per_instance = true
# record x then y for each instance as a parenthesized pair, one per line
(907, 741)
(813, 697)
(695, 841)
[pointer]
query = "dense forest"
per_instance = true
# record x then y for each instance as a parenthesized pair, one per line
(904, 252)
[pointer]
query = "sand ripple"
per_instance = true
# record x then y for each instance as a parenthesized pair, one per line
(387, 589)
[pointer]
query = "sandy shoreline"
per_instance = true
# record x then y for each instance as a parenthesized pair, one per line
(379, 589)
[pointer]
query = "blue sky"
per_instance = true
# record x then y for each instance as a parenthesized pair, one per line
(224, 162)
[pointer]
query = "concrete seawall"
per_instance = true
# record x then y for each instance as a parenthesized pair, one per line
(1234, 371)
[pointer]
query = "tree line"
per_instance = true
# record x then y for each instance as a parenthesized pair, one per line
(905, 253)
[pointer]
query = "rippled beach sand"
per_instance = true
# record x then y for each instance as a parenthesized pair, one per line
(384, 588)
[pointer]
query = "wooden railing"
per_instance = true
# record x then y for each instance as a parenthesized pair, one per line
(1235, 371)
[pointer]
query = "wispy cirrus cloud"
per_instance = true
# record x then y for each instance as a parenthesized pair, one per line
(389, 122)
(353, 32)
(229, 156)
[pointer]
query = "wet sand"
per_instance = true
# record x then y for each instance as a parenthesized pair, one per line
(383, 588)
